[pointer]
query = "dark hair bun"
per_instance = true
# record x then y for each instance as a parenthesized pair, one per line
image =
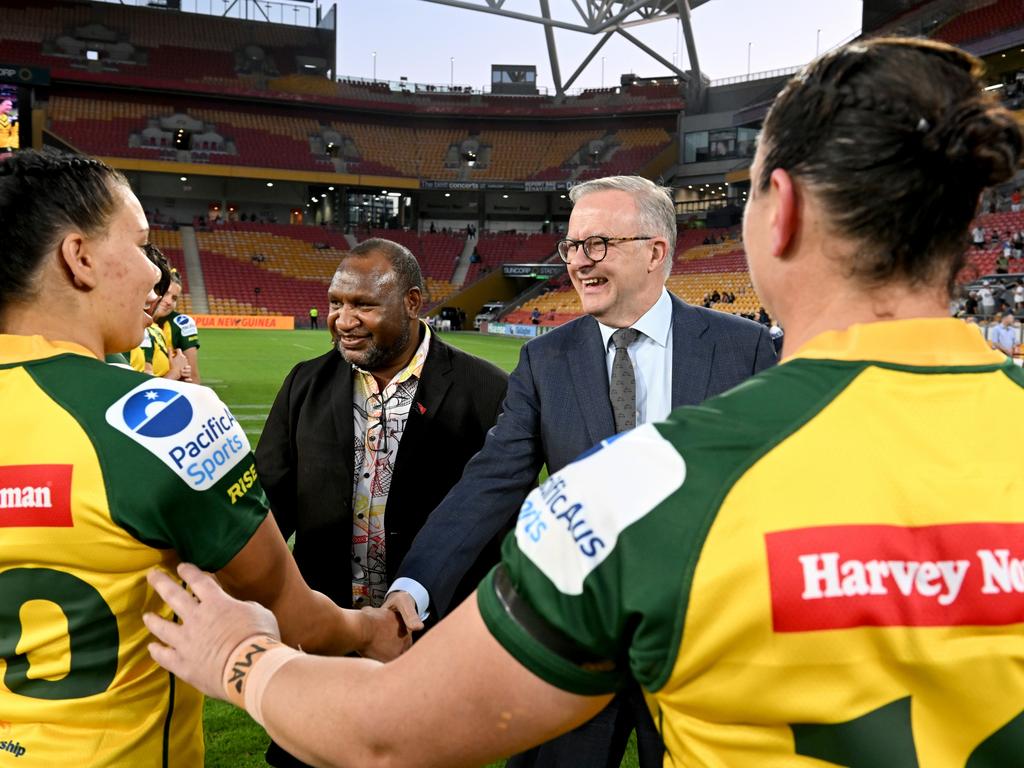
(984, 142)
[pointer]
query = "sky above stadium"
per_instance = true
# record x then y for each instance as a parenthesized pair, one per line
(418, 40)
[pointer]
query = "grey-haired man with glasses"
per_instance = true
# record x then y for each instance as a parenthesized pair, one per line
(636, 354)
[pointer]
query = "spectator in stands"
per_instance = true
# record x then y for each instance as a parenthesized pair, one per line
(79, 687)
(978, 236)
(971, 303)
(777, 334)
(535, 316)
(618, 251)
(1003, 260)
(1015, 199)
(1003, 335)
(389, 383)
(1006, 299)
(1018, 298)
(843, 454)
(762, 316)
(986, 298)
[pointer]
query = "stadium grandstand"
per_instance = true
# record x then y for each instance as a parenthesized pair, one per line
(258, 163)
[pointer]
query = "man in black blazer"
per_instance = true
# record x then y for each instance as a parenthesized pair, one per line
(621, 238)
(356, 496)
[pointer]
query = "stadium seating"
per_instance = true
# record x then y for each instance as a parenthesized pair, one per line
(498, 249)
(982, 21)
(273, 139)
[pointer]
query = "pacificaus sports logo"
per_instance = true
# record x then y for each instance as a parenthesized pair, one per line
(569, 525)
(187, 427)
(186, 325)
(157, 412)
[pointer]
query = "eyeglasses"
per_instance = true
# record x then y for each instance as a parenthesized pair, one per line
(595, 247)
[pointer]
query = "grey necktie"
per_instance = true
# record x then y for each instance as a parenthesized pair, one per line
(622, 388)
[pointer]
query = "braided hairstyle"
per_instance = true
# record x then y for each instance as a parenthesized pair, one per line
(897, 139)
(42, 196)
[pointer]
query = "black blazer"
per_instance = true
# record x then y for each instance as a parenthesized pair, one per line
(305, 459)
(557, 407)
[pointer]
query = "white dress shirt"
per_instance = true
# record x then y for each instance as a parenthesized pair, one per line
(651, 355)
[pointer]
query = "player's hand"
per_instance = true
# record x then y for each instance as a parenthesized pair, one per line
(386, 637)
(402, 603)
(180, 369)
(212, 625)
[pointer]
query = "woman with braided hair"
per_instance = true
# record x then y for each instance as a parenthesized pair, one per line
(77, 437)
(798, 572)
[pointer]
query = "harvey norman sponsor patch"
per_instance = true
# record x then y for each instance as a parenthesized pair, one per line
(35, 495)
(187, 427)
(844, 576)
(571, 523)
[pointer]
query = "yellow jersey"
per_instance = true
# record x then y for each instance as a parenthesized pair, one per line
(812, 569)
(77, 685)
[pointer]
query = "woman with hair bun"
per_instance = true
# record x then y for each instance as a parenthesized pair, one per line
(77, 437)
(808, 570)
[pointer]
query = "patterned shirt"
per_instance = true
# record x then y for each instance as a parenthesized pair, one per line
(379, 419)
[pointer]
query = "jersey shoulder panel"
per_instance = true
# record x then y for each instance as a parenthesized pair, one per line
(606, 549)
(180, 441)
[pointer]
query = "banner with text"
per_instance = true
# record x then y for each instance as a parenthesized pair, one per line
(260, 322)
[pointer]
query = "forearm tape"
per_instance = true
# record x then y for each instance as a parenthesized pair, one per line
(249, 669)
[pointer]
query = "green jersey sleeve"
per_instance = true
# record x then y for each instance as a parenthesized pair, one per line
(177, 466)
(585, 595)
(184, 331)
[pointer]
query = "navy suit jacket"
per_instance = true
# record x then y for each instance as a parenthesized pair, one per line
(556, 408)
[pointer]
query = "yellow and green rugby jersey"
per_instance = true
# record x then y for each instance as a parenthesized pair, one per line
(152, 350)
(815, 568)
(77, 686)
(180, 331)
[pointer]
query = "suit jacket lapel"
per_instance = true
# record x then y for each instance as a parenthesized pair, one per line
(692, 355)
(435, 381)
(589, 370)
(341, 412)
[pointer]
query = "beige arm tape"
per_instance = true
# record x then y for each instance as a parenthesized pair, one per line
(249, 669)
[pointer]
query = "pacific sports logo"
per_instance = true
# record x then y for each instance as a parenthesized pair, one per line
(843, 576)
(157, 412)
(35, 496)
(187, 427)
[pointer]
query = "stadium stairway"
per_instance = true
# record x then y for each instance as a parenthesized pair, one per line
(194, 265)
(462, 268)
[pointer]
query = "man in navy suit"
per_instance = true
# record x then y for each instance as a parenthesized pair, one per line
(619, 249)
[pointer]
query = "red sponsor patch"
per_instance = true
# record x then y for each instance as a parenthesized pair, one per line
(35, 495)
(842, 576)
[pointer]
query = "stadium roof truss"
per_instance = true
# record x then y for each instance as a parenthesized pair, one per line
(604, 18)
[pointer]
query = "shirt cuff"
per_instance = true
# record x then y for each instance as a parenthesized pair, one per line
(416, 591)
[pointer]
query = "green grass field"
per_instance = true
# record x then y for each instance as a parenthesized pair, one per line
(246, 369)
